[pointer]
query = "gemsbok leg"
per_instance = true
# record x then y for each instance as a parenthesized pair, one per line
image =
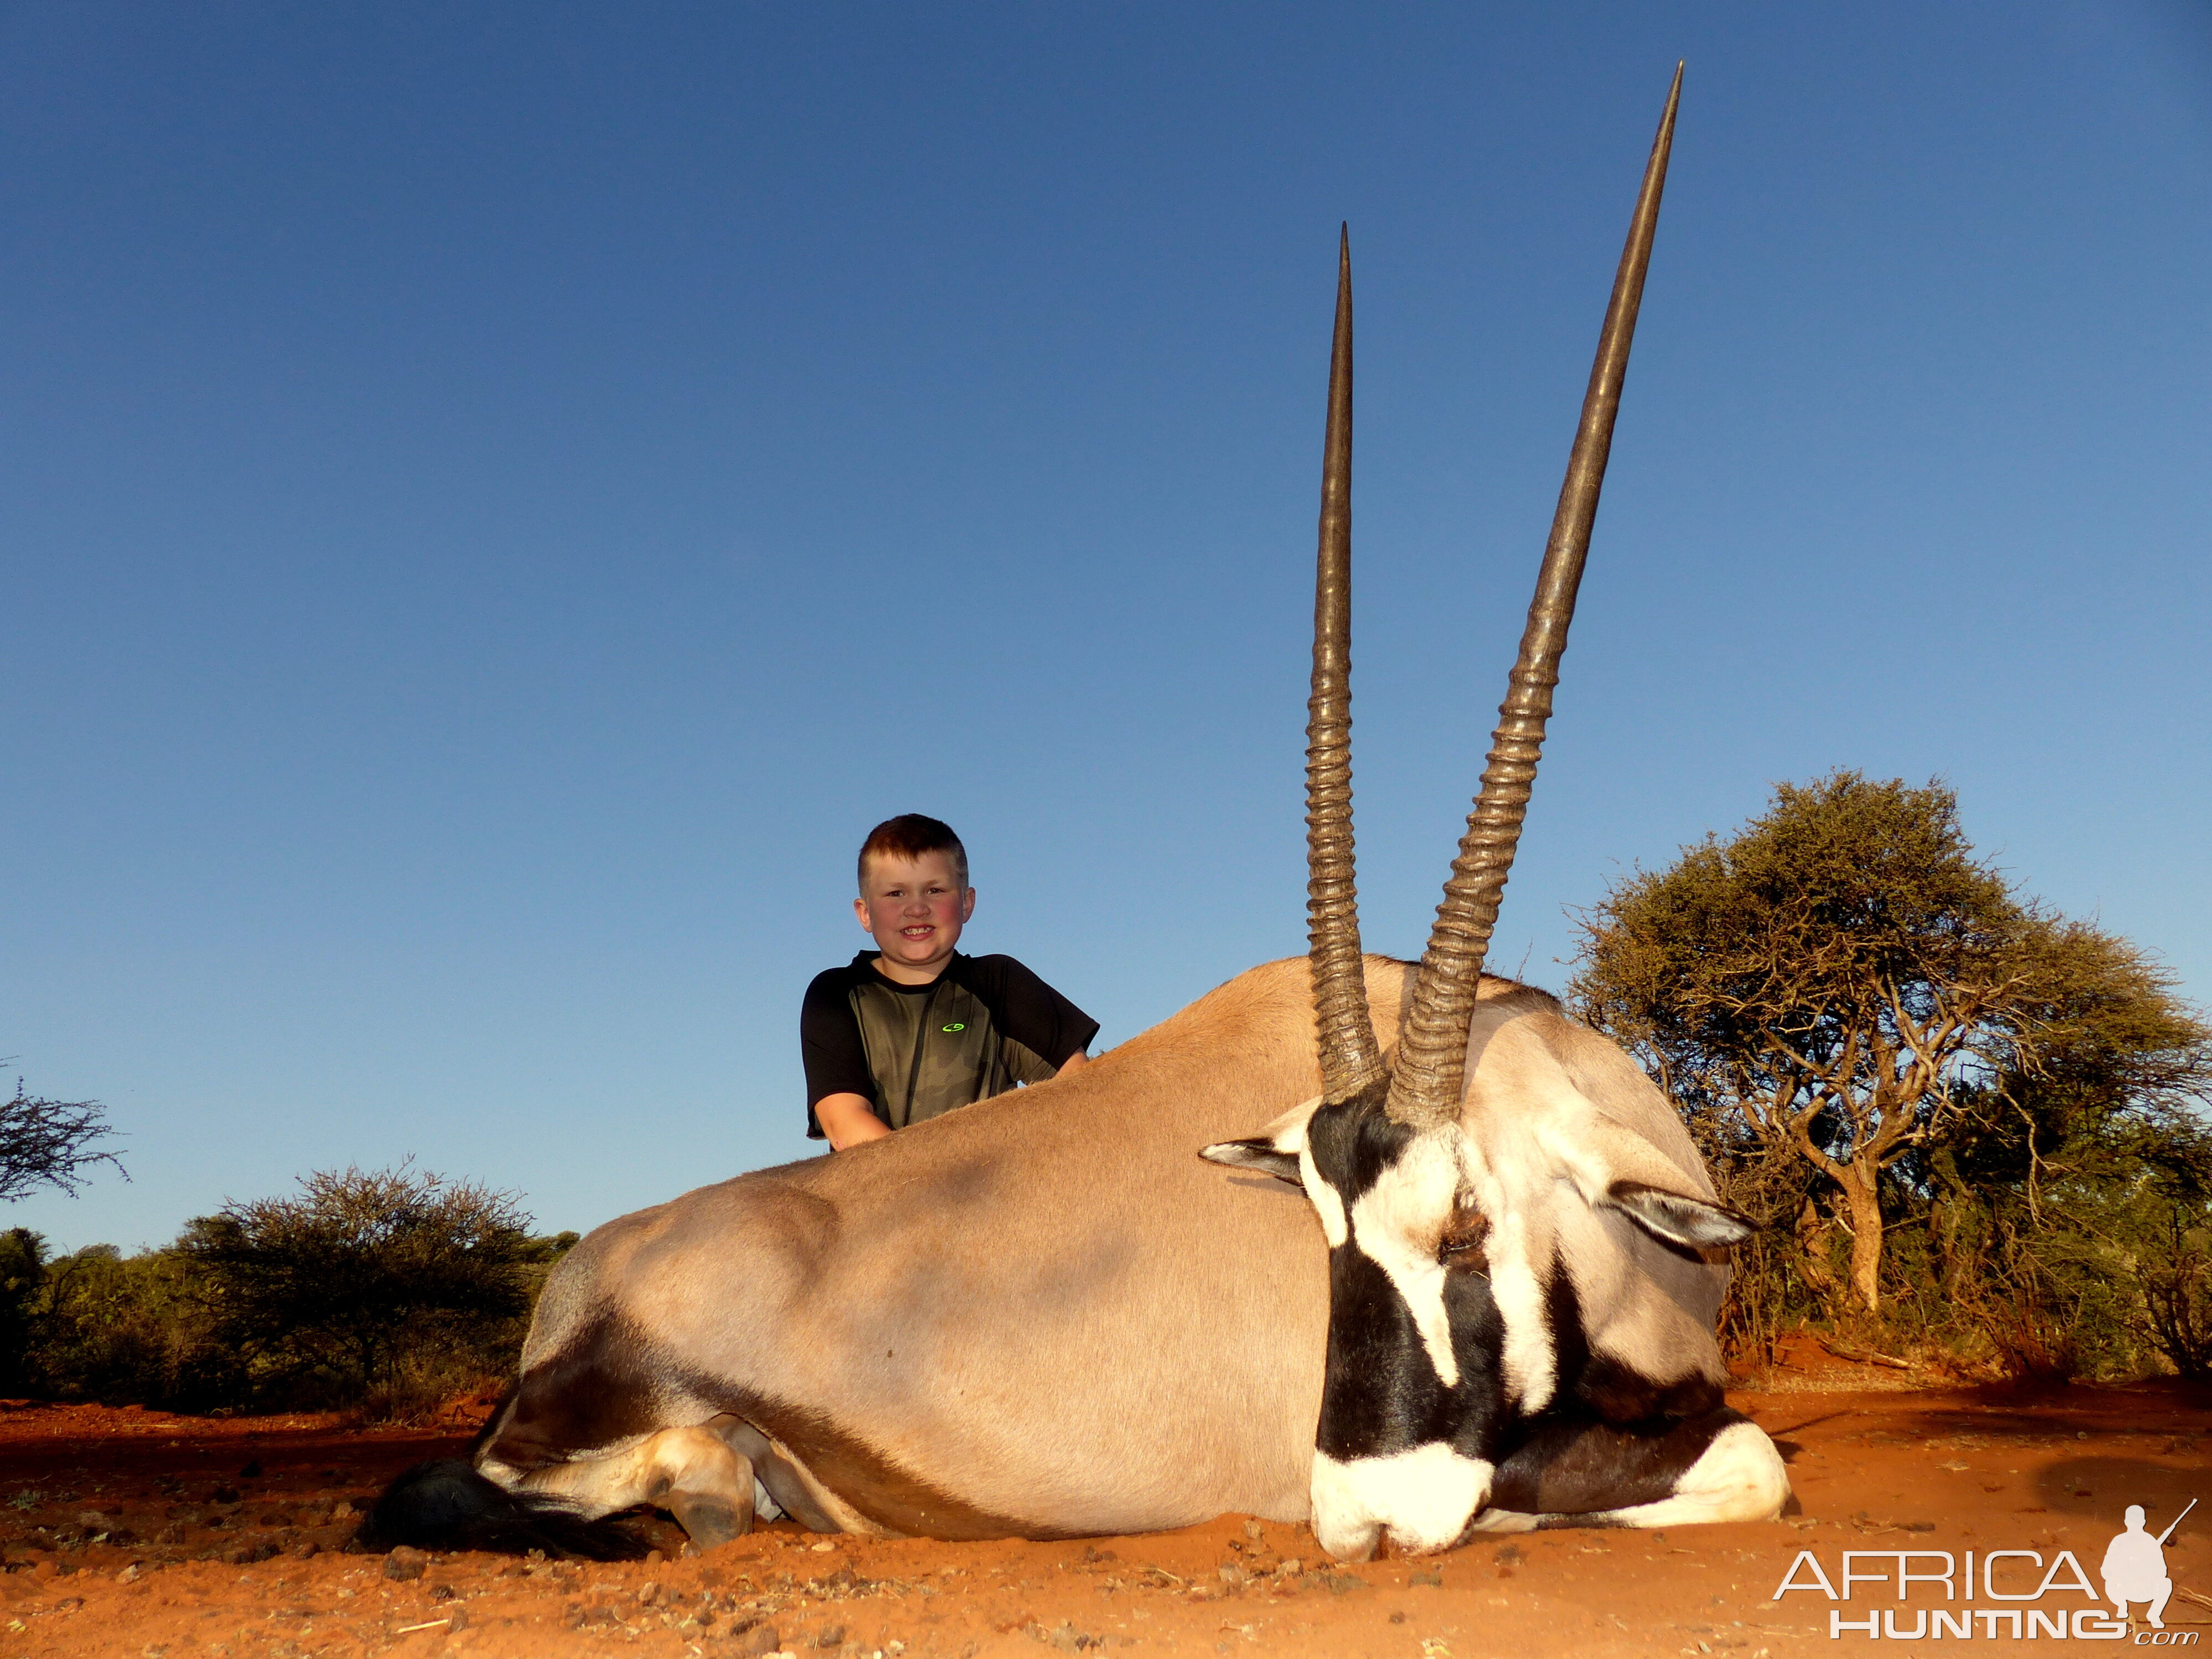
(694, 1473)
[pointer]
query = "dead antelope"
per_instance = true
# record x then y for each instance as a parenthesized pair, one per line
(1526, 1258)
(1041, 1317)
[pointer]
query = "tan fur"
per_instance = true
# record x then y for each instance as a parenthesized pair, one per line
(1045, 1303)
(1549, 1099)
(1044, 1314)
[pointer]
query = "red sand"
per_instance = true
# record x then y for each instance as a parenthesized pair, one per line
(129, 1532)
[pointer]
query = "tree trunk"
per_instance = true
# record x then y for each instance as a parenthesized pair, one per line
(1860, 1197)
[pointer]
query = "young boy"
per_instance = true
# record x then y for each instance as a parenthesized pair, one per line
(913, 1029)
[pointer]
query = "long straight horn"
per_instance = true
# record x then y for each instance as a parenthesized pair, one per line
(1351, 1063)
(1431, 1060)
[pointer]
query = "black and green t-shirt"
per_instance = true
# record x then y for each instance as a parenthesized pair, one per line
(916, 1052)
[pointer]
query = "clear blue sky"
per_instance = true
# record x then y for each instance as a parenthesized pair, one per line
(495, 501)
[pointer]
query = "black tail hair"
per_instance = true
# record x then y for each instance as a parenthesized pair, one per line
(447, 1505)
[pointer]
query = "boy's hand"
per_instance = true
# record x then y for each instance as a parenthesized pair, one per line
(849, 1120)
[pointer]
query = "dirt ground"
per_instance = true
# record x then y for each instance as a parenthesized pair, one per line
(129, 1532)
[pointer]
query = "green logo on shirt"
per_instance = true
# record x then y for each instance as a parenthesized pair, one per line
(956, 1026)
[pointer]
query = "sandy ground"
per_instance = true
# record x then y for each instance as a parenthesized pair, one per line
(128, 1532)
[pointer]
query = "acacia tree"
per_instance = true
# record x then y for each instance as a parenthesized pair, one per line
(1842, 984)
(49, 1143)
(361, 1267)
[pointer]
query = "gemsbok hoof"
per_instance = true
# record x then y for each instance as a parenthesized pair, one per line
(708, 1520)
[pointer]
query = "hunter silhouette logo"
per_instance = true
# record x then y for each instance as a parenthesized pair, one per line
(2133, 1571)
(2135, 1566)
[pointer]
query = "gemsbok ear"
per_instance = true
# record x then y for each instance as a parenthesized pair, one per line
(1676, 1218)
(1260, 1154)
(1614, 1168)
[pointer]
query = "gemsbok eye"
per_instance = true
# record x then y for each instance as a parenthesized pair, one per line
(1462, 1245)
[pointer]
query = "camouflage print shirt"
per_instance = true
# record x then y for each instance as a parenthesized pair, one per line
(916, 1052)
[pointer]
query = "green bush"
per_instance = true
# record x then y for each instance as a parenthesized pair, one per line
(136, 1329)
(379, 1292)
(22, 1277)
(2177, 1289)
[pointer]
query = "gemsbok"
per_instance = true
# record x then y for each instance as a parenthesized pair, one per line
(1041, 1316)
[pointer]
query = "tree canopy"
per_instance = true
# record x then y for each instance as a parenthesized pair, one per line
(344, 1277)
(1847, 1002)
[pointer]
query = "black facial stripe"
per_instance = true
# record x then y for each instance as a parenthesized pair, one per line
(1382, 1393)
(1610, 1391)
(1352, 1142)
(1571, 1464)
(1570, 1352)
(1478, 1338)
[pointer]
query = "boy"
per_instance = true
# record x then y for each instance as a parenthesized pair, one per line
(914, 1029)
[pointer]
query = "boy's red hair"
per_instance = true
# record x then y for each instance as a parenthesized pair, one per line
(909, 836)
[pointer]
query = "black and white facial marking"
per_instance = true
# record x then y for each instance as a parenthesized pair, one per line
(1412, 1396)
(1456, 1334)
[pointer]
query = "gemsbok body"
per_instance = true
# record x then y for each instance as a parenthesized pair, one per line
(1467, 1278)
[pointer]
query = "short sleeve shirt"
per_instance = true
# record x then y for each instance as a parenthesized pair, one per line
(916, 1052)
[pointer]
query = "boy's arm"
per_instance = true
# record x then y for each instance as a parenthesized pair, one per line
(836, 1064)
(1055, 1034)
(849, 1120)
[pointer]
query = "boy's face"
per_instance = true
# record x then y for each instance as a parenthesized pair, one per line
(915, 909)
